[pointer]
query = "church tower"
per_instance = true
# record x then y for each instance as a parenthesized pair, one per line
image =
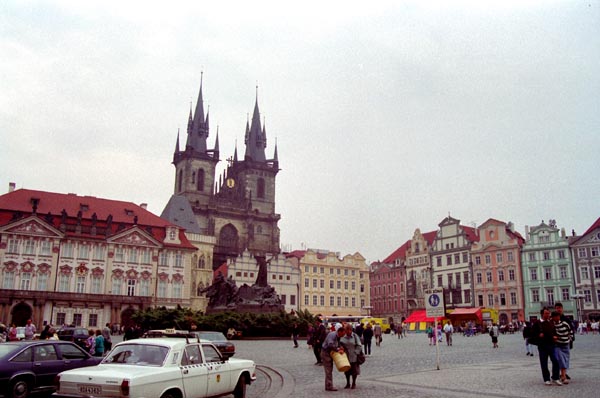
(237, 207)
(195, 164)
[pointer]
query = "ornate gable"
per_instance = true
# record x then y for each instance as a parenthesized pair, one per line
(32, 226)
(135, 237)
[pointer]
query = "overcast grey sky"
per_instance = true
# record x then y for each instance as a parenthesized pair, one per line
(388, 114)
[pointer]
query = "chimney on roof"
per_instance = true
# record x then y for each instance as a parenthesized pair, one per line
(144, 206)
(11, 187)
(526, 231)
(511, 226)
(562, 232)
(573, 232)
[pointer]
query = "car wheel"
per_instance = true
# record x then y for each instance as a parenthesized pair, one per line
(240, 388)
(19, 389)
(170, 394)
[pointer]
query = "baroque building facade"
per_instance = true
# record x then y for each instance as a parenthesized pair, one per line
(451, 262)
(69, 259)
(585, 253)
(497, 270)
(547, 270)
(419, 275)
(331, 285)
(237, 208)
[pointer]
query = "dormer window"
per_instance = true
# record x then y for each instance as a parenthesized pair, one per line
(172, 234)
(84, 207)
(129, 212)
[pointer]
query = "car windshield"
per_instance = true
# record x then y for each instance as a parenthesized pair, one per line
(7, 349)
(137, 354)
(212, 336)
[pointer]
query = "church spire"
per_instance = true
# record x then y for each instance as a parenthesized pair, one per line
(199, 127)
(177, 143)
(255, 147)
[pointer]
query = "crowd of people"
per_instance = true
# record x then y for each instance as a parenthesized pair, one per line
(98, 342)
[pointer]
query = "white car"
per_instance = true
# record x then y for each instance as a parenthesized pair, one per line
(160, 368)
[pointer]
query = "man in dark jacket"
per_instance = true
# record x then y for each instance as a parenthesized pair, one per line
(544, 333)
(317, 340)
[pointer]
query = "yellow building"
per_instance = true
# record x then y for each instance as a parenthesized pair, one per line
(330, 285)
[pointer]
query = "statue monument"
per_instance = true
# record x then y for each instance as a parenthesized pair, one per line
(224, 295)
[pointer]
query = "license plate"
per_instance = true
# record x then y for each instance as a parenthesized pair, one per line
(89, 389)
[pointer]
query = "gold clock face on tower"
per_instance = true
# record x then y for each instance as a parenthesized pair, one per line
(230, 183)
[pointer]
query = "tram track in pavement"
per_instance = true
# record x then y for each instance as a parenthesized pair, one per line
(271, 382)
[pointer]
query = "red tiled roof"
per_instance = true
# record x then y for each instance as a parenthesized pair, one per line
(593, 227)
(123, 213)
(471, 232)
(398, 253)
(430, 236)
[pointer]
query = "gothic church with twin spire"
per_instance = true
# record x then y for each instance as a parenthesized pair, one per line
(237, 208)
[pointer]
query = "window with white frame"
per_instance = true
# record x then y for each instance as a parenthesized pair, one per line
(500, 275)
(63, 283)
(535, 295)
(562, 271)
(510, 256)
(61, 318)
(77, 318)
(99, 253)
(346, 302)
(597, 272)
(488, 276)
(499, 258)
(163, 258)
(177, 289)
(532, 256)
(354, 285)
(67, 249)
(581, 252)
(315, 283)
(117, 286)
(595, 251)
(162, 289)
(339, 284)
(322, 300)
(133, 255)
(42, 281)
(331, 283)
(322, 283)
(502, 299)
(533, 274)
(13, 246)
(565, 293)
(585, 272)
(354, 301)
(96, 287)
(587, 296)
(513, 298)
(25, 280)
(119, 254)
(144, 287)
(306, 302)
(546, 256)
(550, 295)
(131, 287)
(83, 251)
(315, 300)
(80, 284)
(511, 274)
(45, 248)
(29, 248)
(561, 254)
(339, 301)
(306, 282)
(178, 260)
(547, 273)
(490, 300)
(147, 257)
(345, 285)
(93, 320)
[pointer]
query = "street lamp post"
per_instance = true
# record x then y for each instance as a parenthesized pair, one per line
(578, 297)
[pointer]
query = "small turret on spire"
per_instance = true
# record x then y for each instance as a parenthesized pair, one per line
(177, 143)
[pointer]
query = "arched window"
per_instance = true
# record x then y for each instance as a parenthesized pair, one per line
(200, 180)
(180, 181)
(260, 188)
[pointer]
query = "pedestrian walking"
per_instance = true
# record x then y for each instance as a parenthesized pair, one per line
(295, 333)
(543, 333)
(29, 330)
(558, 307)
(351, 343)
(107, 337)
(319, 336)
(367, 338)
(330, 345)
(448, 330)
(526, 337)
(90, 342)
(98, 344)
(494, 332)
(377, 332)
(561, 345)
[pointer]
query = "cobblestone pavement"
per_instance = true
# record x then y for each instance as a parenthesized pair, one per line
(408, 368)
